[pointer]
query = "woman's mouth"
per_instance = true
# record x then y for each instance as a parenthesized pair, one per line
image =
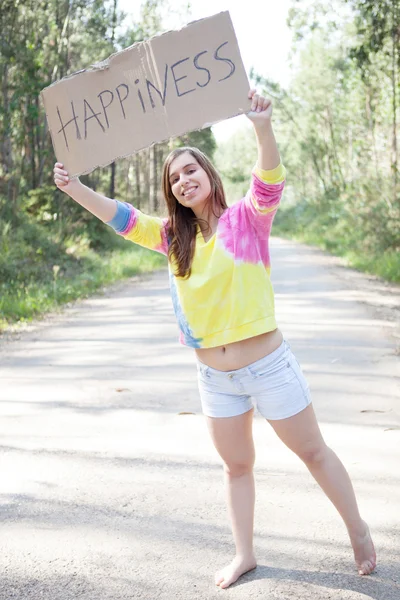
(189, 191)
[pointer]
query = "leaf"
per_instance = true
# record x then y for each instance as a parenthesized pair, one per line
(186, 413)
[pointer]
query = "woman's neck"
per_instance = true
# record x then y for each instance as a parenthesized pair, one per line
(210, 215)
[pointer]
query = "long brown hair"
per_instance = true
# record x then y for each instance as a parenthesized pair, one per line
(182, 227)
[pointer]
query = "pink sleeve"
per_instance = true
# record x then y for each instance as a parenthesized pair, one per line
(263, 198)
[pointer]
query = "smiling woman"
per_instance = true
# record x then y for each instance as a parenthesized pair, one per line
(195, 199)
(224, 305)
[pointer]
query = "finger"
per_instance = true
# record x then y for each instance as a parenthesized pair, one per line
(251, 93)
(260, 104)
(263, 104)
(261, 107)
(254, 103)
(61, 172)
(60, 179)
(60, 165)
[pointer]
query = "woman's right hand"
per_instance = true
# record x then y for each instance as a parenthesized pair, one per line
(62, 180)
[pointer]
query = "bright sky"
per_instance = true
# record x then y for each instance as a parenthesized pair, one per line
(263, 36)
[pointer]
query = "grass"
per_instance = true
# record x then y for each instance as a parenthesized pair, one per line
(22, 301)
(339, 239)
(385, 264)
(39, 272)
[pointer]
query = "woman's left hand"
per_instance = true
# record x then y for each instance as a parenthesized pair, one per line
(261, 108)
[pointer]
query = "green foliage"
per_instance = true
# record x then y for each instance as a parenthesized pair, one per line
(337, 131)
(235, 160)
(26, 252)
(377, 22)
(204, 140)
(336, 126)
(38, 274)
(48, 242)
(340, 237)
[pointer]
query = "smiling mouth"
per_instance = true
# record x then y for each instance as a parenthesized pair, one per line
(189, 191)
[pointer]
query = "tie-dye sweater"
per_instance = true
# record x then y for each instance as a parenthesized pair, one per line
(228, 296)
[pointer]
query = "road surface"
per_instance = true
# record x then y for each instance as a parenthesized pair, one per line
(111, 488)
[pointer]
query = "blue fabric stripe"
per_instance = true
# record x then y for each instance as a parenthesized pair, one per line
(121, 217)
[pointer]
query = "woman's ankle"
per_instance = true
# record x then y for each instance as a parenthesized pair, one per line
(245, 555)
(357, 528)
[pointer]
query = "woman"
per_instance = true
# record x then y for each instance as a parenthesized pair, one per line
(224, 304)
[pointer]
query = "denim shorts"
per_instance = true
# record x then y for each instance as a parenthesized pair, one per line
(275, 384)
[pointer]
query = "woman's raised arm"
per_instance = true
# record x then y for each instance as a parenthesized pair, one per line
(102, 207)
(260, 116)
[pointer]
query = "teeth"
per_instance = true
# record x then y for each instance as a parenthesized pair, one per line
(189, 191)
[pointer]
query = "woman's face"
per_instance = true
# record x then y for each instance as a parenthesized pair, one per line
(189, 183)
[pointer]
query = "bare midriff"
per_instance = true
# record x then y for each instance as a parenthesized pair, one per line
(240, 354)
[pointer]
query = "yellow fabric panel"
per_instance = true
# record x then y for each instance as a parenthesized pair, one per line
(223, 300)
(276, 175)
(147, 231)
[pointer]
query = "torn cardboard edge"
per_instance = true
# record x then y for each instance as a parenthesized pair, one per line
(106, 61)
(217, 27)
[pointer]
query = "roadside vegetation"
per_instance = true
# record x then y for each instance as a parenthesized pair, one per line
(336, 125)
(39, 273)
(51, 250)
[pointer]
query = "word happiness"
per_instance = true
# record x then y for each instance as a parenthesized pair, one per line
(146, 94)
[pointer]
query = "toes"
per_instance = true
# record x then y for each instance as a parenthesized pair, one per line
(224, 580)
(232, 572)
(366, 568)
(227, 582)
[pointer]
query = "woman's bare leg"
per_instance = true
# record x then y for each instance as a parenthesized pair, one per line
(301, 434)
(233, 439)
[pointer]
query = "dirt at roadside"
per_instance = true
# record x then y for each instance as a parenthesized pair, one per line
(382, 297)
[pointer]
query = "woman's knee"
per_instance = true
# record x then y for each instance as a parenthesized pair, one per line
(239, 468)
(313, 455)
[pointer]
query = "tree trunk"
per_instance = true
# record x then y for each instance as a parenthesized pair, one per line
(112, 180)
(6, 147)
(129, 165)
(371, 124)
(394, 159)
(42, 150)
(152, 179)
(137, 180)
(334, 150)
(145, 180)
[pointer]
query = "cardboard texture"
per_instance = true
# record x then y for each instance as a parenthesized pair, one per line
(154, 90)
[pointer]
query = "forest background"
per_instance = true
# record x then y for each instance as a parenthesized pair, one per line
(336, 123)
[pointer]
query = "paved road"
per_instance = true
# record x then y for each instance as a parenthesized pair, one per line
(110, 492)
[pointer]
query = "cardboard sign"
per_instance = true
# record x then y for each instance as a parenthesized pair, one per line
(154, 90)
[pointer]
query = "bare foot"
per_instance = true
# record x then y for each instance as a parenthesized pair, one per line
(364, 551)
(239, 566)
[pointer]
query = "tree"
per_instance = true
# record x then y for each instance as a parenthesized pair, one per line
(378, 33)
(335, 120)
